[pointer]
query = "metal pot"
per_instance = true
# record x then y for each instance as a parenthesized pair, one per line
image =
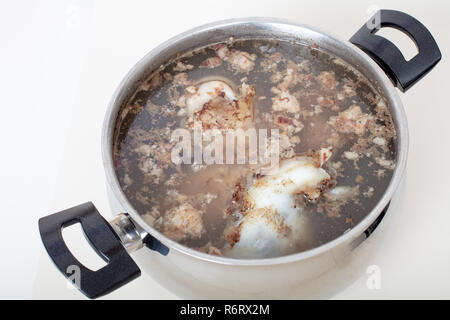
(175, 265)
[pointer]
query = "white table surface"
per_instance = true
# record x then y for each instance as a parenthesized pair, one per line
(61, 62)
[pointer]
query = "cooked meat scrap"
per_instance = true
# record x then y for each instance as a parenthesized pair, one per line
(328, 80)
(336, 198)
(152, 215)
(274, 220)
(325, 101)
(198, 96)
(289, 126)
(284, 101)
(181, 79)
(216, 106)
(183, 67)
(351, 120)
(386, 163)
(212, 62)
(271, 63)
(239, 60)
(242, 61)
(183, 222)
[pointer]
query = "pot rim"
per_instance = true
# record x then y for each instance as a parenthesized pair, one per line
(295, 30)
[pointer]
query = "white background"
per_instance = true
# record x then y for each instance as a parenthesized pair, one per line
(60, 62)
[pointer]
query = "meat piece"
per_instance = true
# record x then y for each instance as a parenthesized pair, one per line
(183, 67)
(181, 79)
(284, 101)
(342, 193)
(275, 221)
(349, 89)
(263, 234)
(239, 60)
(336, 198)
(325, 101)
(327, 79)
(183, 222)
(221, 50)
(324, 155)
(388, 164)
(270, 64)
(212, 62)
(351, 120)
(197, 97)
(215, 105)
(242, 61)
(289, 126)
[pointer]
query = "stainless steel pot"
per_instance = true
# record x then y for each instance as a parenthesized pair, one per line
(196, 274)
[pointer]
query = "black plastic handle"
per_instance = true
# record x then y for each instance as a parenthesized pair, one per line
(120, 268)
(403, 73)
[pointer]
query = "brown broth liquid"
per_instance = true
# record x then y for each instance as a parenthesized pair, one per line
(327, 87)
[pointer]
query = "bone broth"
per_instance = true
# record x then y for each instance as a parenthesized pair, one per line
(254, 148)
